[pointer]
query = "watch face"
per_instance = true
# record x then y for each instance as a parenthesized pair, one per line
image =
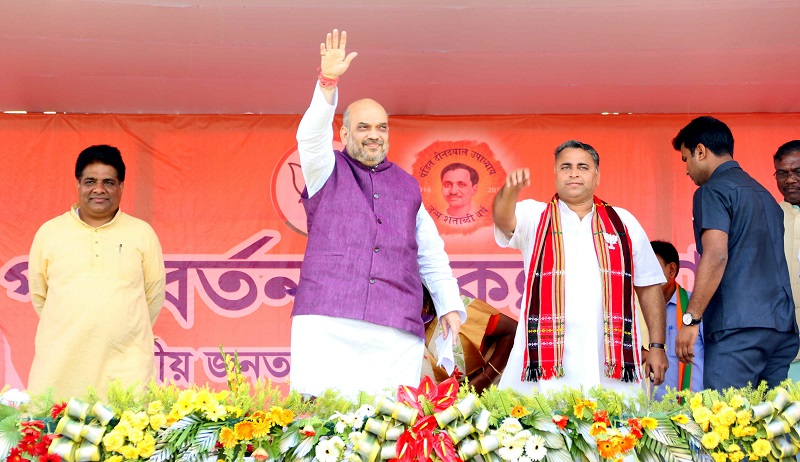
(687, 319)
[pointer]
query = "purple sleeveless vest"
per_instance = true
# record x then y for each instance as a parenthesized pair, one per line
(361, 257)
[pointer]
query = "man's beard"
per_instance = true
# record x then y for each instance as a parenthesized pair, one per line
(358, 152)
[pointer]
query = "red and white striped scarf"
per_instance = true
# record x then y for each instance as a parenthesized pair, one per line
(545, 310)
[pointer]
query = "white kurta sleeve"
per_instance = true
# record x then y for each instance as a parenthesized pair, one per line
(315, 141)
(434, 267)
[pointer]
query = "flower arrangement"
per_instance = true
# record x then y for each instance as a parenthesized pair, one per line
(427, 423)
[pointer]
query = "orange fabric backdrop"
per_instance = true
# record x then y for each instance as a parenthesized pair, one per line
(222, 192)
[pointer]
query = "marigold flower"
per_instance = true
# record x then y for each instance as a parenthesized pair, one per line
(744, 417)
(158, 421)
(227, 437)
(737, 401)
(649, 423)
(696, 401)
(702, 416)
(282, 417)
(680, 418)
(727, 417)
(710, 440)
(129, 452)
(761, 447)
(723, 432)
(261, 428)
(113, 441)
(719, 456)
(155, 407)
(114, 459)
(519, 411)
(718, 406)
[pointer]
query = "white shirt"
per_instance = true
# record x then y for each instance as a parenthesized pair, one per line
(583, 343)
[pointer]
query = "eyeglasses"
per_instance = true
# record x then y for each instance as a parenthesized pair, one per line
(783, 174)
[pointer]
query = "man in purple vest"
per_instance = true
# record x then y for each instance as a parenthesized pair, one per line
(371, 245)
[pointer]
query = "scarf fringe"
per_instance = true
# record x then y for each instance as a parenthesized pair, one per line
(630, 373)
(534, 374)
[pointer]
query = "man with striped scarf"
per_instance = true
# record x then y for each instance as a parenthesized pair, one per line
(583, 261)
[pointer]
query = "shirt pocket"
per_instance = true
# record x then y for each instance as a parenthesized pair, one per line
(672, 334)
(128, 263)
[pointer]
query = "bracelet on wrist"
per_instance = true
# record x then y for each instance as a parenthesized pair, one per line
(327, 82)
(658, 345)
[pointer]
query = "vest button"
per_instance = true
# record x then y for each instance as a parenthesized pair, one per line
(376, 249)
(375, 195)
(372, 280)
(380, 222)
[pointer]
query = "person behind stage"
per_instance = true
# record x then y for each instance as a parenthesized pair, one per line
(679, 376)
(741, 287)
(356, 322)
(583, 260)
(787, 178)
(97, 282)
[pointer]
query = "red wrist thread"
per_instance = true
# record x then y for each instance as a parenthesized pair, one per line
(326, 82)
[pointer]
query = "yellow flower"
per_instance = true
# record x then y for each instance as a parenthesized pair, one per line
(155, 407)
(147, 446)
(702, 416)
(737, 431)
(216, 413)
(606, 448)
(227, 437)
(135, 435)
(261, 428)
(244, 430)
(649, 423)
(172, 417)
(743, 417)
(123, 428)
(737, 401)
(749, 430)
(113, 441)
(723, 432)
(680, 418)
(597, 428)
(221, 396)
(727, 417)
(203, 399)
(234, 411)
(761, 447)
(519, 411)
(581, 405)
(158, 421)
(129, 452)
(114, 459)
(184, 405)
(735, 456)
(710, 440)
(719, 456)
(696, 401)
(282, 417)
(718, 406)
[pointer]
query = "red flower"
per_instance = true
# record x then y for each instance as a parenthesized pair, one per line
(561, 421)
(49, 458)
(307, 431)
(57, 410)
(457, 374)
(15, 456)
(602, 416)
(441, 396)
(636, 427)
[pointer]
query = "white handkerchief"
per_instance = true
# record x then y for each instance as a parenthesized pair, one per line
(445, 349)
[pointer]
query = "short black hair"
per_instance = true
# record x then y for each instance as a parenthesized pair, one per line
(787, 148)
(103, 154)
(709, 132)
(473, 174)
(667, 252)
(579, 145)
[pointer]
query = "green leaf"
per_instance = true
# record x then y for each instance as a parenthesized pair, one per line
(554, 441)
(558, 455)
(9, 434)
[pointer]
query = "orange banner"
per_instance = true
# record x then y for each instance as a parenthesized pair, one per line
(222, 193)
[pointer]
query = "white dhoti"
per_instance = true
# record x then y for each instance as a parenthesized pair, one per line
(352, 356)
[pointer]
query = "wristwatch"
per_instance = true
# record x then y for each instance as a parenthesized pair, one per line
(689, 320)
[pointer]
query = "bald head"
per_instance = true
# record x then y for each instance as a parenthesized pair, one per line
(365, 131)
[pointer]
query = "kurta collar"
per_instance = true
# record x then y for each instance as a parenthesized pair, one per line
(74, 214)
(725, 166)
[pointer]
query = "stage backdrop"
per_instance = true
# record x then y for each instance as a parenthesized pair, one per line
(223, 195)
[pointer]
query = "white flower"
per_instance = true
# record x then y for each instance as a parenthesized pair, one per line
(514, 446)
(366, 410)
(524, 459)
(511, 426)
(340, 426)
(535, 448)
(329, 450)
(14, 397)
(354, 437)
